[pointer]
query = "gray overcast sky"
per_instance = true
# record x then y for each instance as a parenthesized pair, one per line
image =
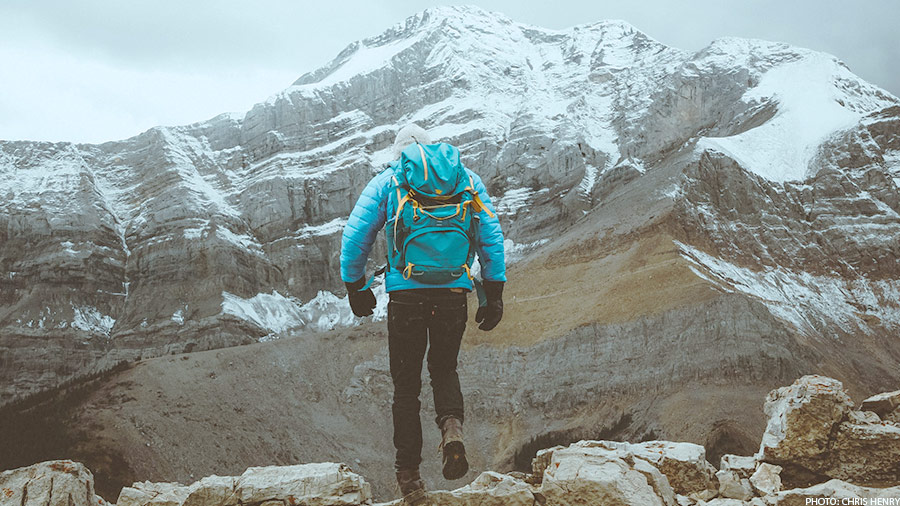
(97, 70)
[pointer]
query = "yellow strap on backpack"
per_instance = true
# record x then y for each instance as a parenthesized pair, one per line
(400, 201)
(477, 203)
(407, 272)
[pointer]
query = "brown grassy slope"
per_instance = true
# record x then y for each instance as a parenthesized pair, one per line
(615, 264)
(554, 292)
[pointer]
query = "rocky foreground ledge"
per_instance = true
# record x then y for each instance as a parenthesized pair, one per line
(817, 449)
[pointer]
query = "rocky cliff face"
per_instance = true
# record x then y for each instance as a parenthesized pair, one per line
(685, 224)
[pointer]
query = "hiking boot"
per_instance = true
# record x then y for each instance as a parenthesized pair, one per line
(411, 487)
(454, 463)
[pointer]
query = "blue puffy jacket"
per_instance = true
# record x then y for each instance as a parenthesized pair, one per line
(370, 214)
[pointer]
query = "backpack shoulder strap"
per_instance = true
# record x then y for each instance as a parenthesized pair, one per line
(401, 200)
(477, 203)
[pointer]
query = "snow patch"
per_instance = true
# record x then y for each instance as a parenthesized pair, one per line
(674, 192)
(273, 312)
(811, 108)
(326, 311)
(243, 241)
(181, 148)
(364, 60)
(67, 247)
(89, 319)
(809, 302)
(330, 228)
(192, 234)
(46, 317)
(513, 200)
(513, 252)
(588, 181)
(279, 314)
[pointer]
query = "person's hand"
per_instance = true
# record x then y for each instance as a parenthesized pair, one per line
(361, 302)
(490, 314)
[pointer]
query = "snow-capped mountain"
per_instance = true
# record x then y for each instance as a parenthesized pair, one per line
(753, 169)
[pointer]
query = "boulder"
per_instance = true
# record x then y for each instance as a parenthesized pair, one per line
(743, 466)
(322, 484)
(802, 418)
(813, 432)
(540, 462)
(309, 484)
(703, 495)
(866, 451)
(766, 480)
(53, 483)
(882, 404)
(835, 489)
(212, 490)
(733, 486)
(153, 494)
(593, 473)
(489, 489)
(683, 464)
(723, 501)
(657, 480)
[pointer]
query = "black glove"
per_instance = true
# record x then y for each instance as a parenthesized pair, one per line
(361, 302)
(489, 315)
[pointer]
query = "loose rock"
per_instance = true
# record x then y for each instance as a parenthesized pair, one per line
(323, 484)
(802, 418)
(595, 475)
(53, 483)
(489, 489)
(831, 489)
(766, 479)
(683, 464)
(743, 466)
(882, 404)
(732, 486)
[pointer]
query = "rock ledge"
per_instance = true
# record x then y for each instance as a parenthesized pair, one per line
(815, 447)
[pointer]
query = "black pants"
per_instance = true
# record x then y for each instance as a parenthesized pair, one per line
(435, 318)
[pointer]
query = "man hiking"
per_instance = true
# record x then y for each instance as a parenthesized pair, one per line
(438, 217)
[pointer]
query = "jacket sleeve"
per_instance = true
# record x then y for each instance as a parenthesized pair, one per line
(490, 238)
(366, 219)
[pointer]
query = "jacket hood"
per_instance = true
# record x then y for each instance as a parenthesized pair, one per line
(407, 135)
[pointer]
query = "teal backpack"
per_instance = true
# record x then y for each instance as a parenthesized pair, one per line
(431, 237)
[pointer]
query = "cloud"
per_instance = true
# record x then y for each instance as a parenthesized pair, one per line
(198, 34)
(58, 97)
(105, 69)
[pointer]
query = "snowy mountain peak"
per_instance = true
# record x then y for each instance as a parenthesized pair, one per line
(440, 20)
(472, 15)
(449, 32)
